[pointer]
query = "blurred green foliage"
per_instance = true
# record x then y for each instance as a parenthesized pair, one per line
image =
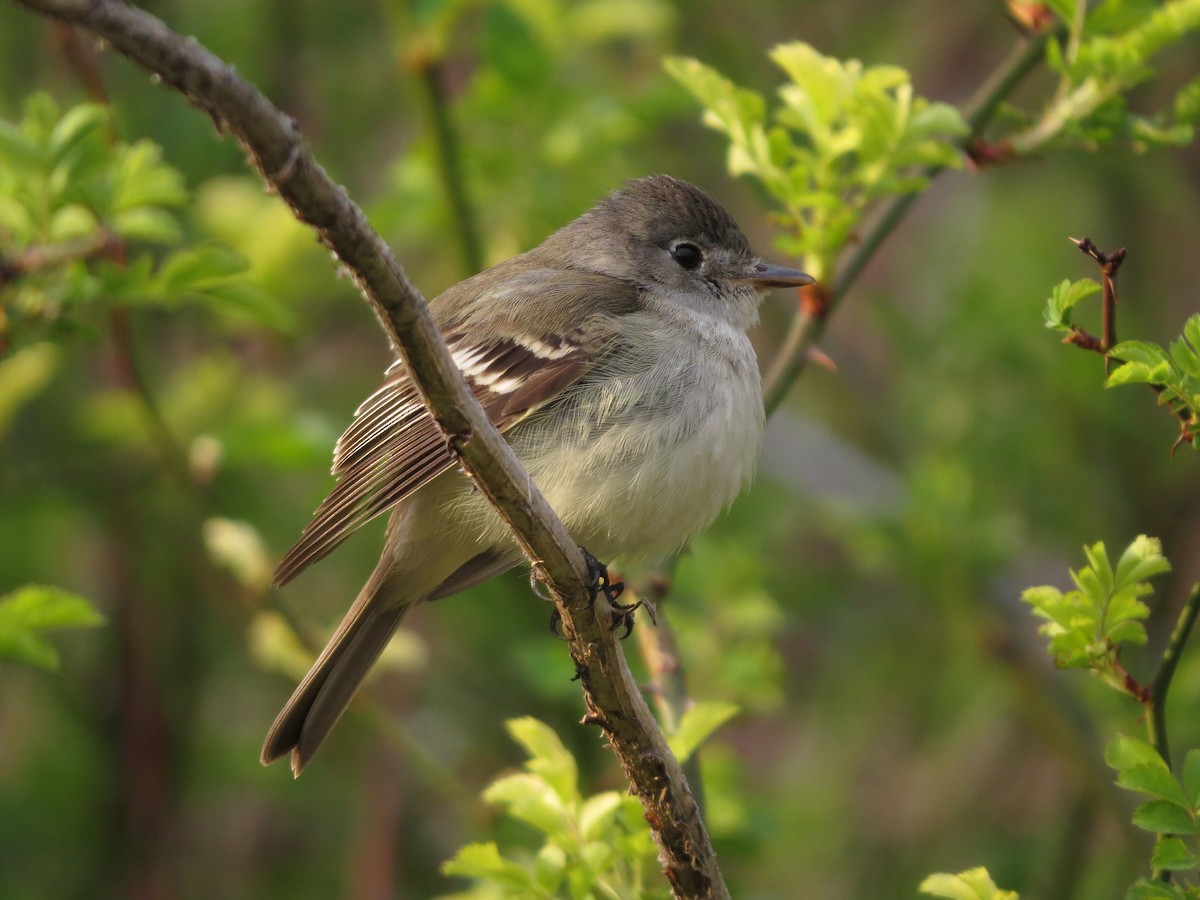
(164, 440)
(594, 846)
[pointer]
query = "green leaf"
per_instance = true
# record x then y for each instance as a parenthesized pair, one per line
(1154, 781)
(1147, 889)
(550, 867)
(1137, 373)
(184, 270)
(549, 759)
(144, 223)
(1063, 299)
(78, 125)
(1141, 352)
(1087, 626)
(29, 610)
(1191, 777)
(1142, 559)
(1125, 752)
(973, 884)
(597, 813)
(485, 862)
(1164, 817)
(1191, 331)
(1173, 855)
(697, 723)
(530, 798)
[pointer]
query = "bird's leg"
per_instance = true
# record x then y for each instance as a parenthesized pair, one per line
(602, 583)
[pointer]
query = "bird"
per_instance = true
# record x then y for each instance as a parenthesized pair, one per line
(614, 357)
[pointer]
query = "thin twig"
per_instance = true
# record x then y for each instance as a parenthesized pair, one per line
(273, 141)
(1109, 264)
(36, 258)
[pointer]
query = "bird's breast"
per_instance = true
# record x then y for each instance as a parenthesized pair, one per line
(650, 448)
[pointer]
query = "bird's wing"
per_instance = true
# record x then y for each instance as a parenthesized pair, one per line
(394, 447)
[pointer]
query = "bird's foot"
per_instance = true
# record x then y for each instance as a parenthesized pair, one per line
(602, 584)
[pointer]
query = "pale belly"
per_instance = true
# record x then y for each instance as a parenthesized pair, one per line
(633, 480)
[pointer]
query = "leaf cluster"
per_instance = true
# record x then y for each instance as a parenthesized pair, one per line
(1105, 53)
(1169, 812)
(843, 136)
(1087, 626)
(1174, 371)
(80, 214)
(594, 846)
(30, 610)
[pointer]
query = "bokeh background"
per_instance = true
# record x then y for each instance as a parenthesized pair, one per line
(860, 604)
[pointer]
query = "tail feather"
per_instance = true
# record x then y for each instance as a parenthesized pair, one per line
(321, 698)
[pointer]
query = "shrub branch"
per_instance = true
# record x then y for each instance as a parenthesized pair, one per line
(274, 144)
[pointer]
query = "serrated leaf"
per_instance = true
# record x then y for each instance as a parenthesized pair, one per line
(32, 609)
(597, 812)
(77, 125)
(141, 179)
(144, 223)
(1184, 358)
(1142, 559)
(1064, 296)
(973, 884)
(530, 798)
(1125, 752)
(1191, 777)
(1191, 331)
(193, 268)
(1146, 889)
(1139, 351)
(485, 862)
(1173, 854)
(1138, 373)
(549, 759)
(697, 723)
(70, 222)
(1154, 781)
(1164, 817)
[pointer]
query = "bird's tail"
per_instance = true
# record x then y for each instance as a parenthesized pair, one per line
(321, 698)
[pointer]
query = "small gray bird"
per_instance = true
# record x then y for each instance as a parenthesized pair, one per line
(615, 359)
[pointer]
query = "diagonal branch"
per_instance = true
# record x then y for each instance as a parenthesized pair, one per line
(273, 141)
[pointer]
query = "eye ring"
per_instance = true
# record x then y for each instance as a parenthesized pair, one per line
(687, 254)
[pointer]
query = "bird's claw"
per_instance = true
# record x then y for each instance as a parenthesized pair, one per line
(601, 585)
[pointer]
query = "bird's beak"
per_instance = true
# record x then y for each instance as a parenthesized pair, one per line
(766, 276)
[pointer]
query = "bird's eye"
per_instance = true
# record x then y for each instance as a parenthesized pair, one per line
(687, 255)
